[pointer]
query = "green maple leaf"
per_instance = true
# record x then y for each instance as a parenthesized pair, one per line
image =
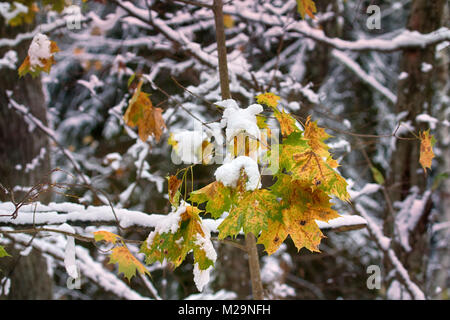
(174, 247)
(217, 196)
(250, 213)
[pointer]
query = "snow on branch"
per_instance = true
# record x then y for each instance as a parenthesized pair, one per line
(42, 28)
(88, 267)
(405, 40)
(72, 213)
(364, 76)
(383, 243)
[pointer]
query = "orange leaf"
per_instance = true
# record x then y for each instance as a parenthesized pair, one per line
(306, 7)
(426, 149)
(106, 236)
(174, 185)
(142, 114)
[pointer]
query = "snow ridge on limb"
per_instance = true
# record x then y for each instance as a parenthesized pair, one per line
(67, 212)
(383, 243)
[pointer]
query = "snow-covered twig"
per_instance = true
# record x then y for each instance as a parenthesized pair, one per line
(364, 76)
(88, 267)
(383, 243)
(59, 213)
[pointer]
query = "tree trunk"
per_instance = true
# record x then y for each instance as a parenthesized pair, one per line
(18, 147)
(414, 96)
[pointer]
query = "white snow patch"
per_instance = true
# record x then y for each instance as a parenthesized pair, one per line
(39, 49)
(201, 277)
(230, 172)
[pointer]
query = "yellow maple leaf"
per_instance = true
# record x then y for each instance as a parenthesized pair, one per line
(306, 7)
(141, 113)
(228, 21)
(128, 264)
(316, 137)
(287, 123)
(426, 149)
(268, 98)
(106, 236)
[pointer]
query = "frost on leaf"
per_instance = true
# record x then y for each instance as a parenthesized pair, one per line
(174, 243)
(40, 56)
(306, 7)
(144, 115)
(128, 264)
(427, 142)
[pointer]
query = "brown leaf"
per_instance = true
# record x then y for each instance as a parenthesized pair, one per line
(142, 114)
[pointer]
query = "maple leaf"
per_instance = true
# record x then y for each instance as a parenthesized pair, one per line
(173, 247)
(300, 206)
(228, 21)
(427, 142)
(144, 115)
(106, 236)
(174, 193)
(217, 196)
(287, 123)
(306, 7)
(128, 264)
(316, 137)
(250, 213)
(268, 98)
(45, 64)
(3, 252)
(305, 155)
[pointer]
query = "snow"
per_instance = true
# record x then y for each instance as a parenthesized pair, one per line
(39, 49)
(189, 145)
(9, 60)
(59, 213)
(426, 67)
(69, 258)
(368, 188)
(9, 13)
(230, 172)
(206, 245)
(219, 295)
(171, 222)
(201, 277)
(237, 120)
(5, 286)
(403, 76)
(427, 119)
(410, 211)
(92, 84)
(89, 268)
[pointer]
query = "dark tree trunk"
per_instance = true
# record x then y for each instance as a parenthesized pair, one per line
(19, 146)
(415, 94)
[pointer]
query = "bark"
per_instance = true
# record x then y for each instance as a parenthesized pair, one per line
(19, 146)
(414, 96)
